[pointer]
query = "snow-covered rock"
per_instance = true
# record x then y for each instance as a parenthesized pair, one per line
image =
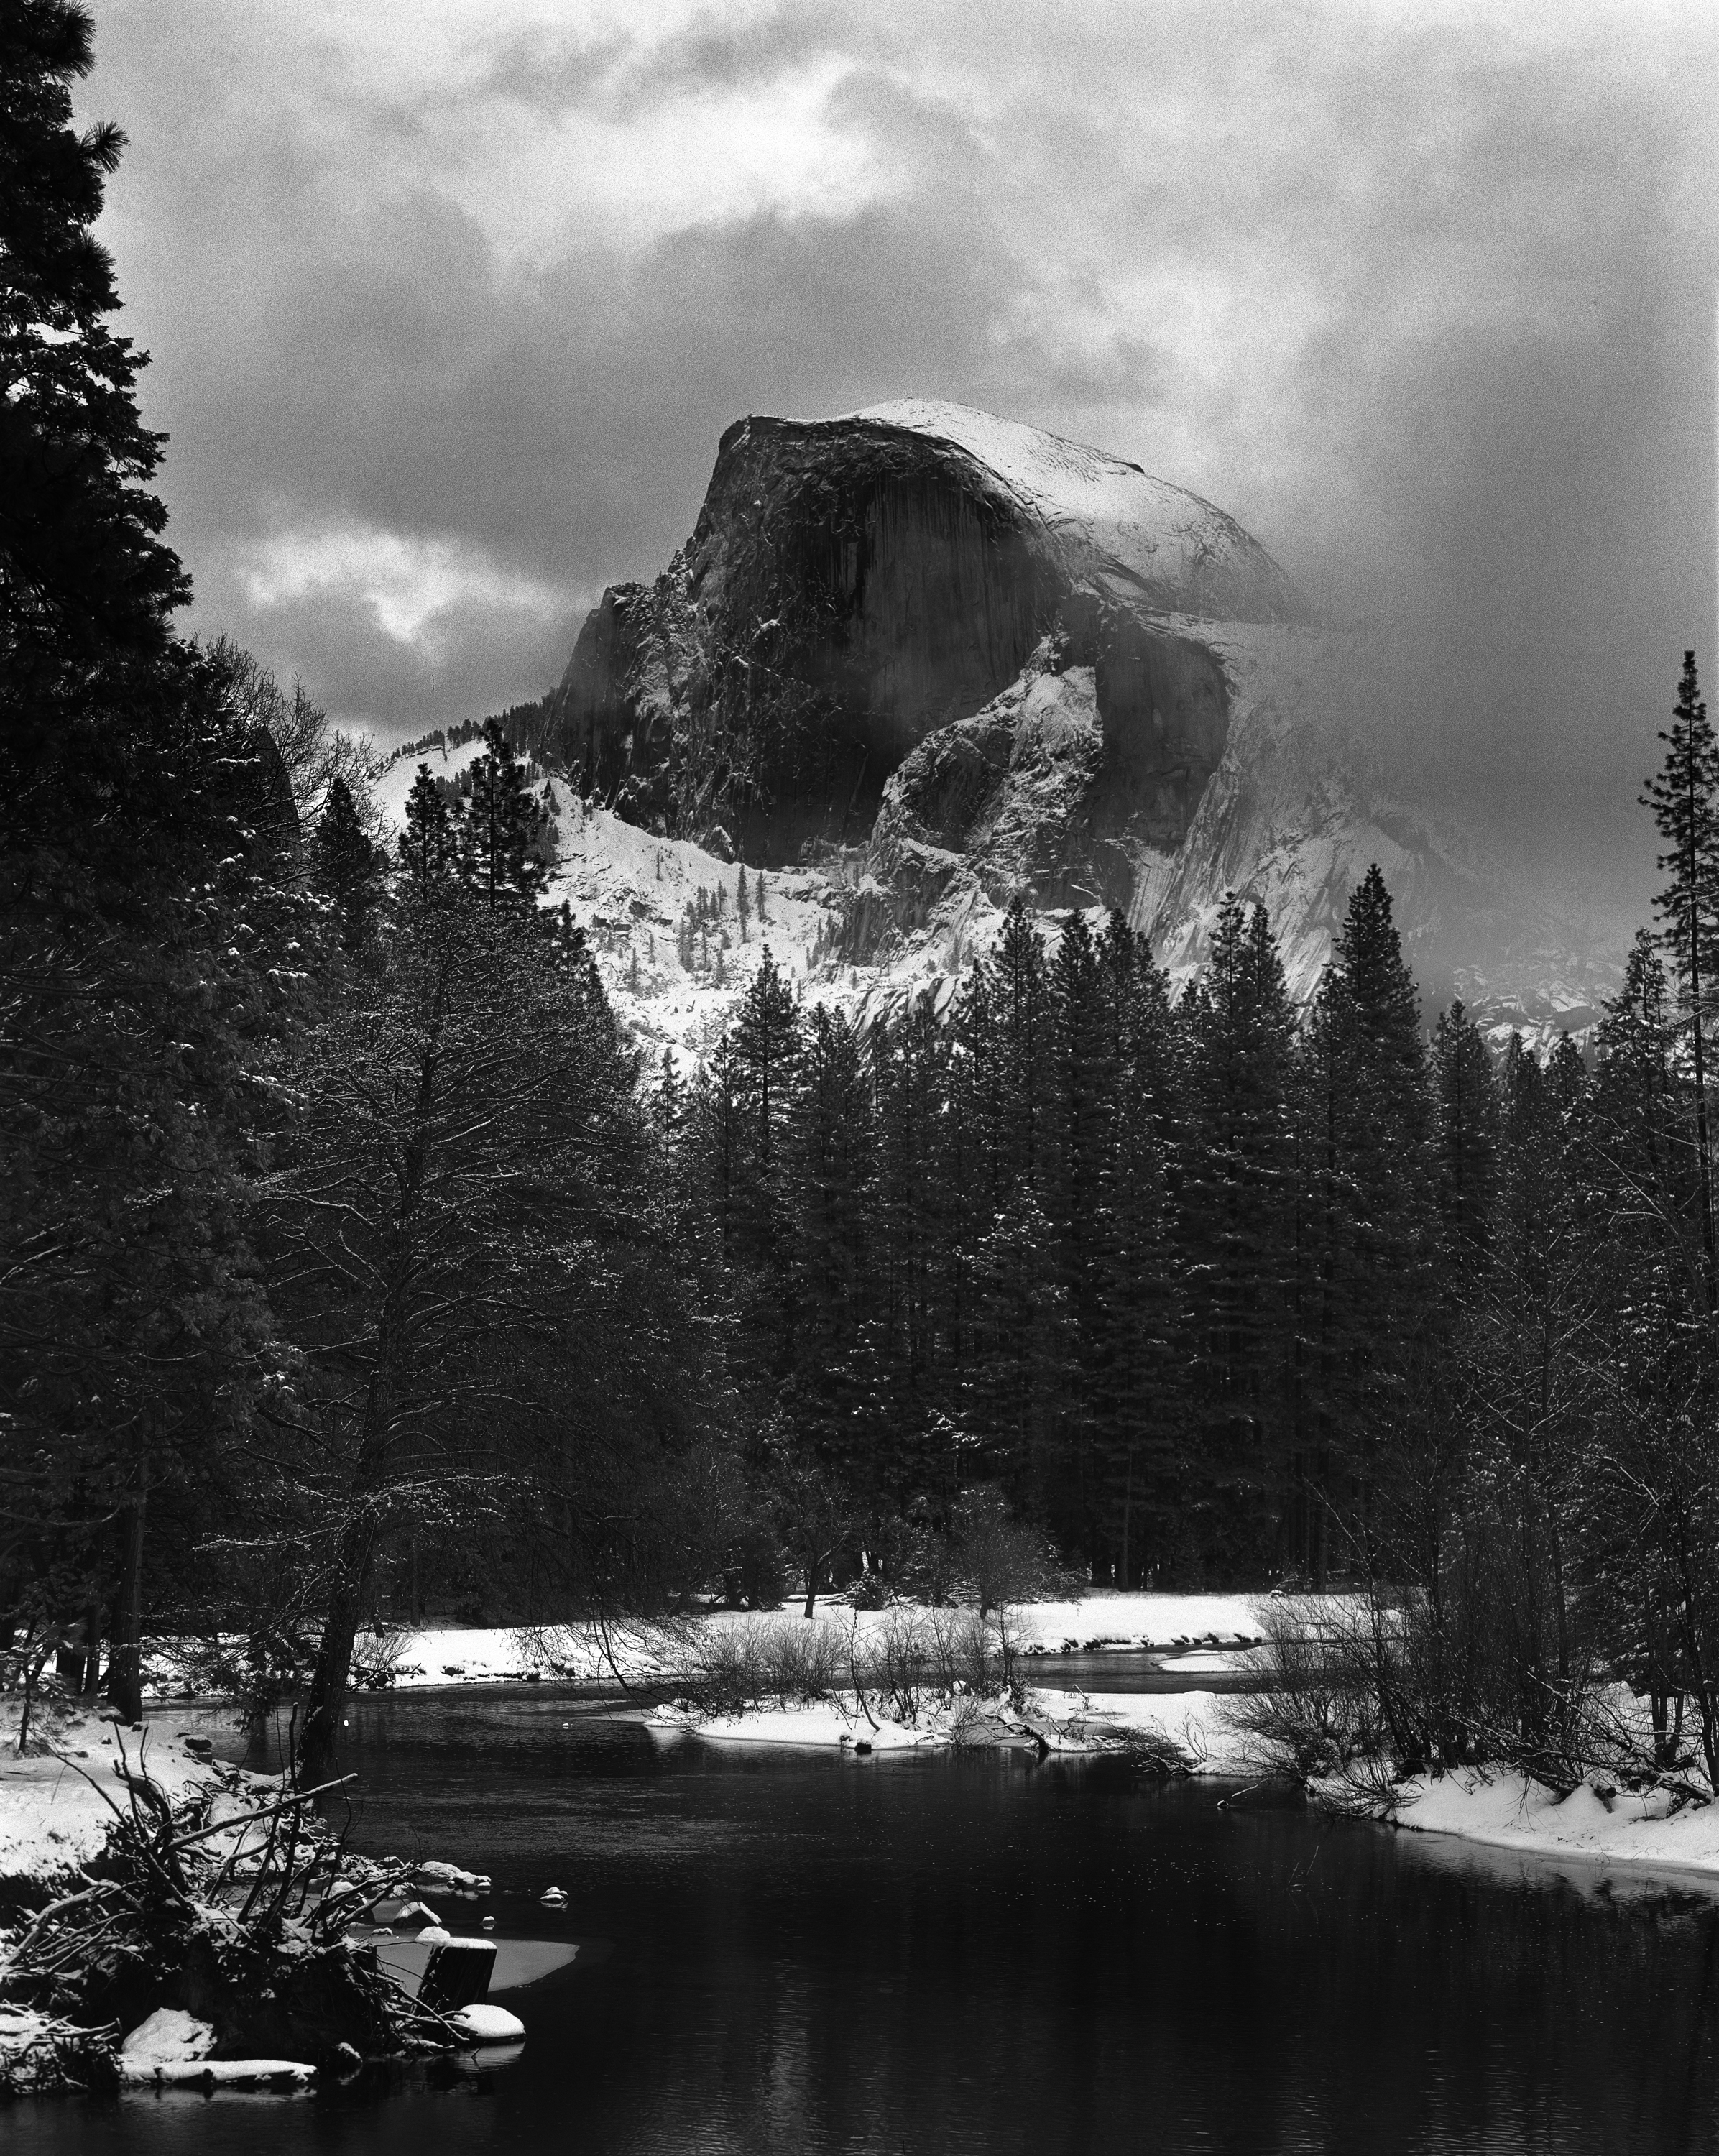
(168, 2037)
(488, 2024)
(172, 2048)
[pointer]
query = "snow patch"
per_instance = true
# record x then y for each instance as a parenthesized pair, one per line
(169, 2036)
(1507, 1810)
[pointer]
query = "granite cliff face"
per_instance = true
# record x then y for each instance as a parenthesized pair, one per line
(853, 586)
(937, 657)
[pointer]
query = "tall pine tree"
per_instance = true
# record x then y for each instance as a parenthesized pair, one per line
(1236, 1198)
(344, 867)
(1366, 1250)
(429, 845)
(1684, 801)
(501, 828)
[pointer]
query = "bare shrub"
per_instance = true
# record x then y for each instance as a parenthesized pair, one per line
(1005, 1560)
(379, 1659)
(723, 1667)
(1385, 1686)
(1316, 1708)
(899, 1665)
(802, 1661)
(916, 1661)
(966, 1653)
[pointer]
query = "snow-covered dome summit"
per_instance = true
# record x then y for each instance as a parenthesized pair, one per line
(1132, 535)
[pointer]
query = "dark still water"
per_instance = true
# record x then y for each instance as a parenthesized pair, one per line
(788, 1954)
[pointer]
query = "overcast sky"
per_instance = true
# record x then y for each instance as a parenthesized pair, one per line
(449, 303)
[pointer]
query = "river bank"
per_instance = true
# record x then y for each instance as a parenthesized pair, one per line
(1188, 1732)
(1596, 1824)
(1193, 1635)
(169, 1920)
(56, 1807)
(1207, 1646)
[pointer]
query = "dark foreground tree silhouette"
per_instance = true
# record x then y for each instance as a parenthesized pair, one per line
(141, 917)
(470, 1128)
(345, 867)
(86, 583)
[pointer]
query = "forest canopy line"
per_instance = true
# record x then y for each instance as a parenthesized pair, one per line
(350, 1262)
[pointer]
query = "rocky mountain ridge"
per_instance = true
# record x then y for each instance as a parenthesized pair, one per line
(919, 659)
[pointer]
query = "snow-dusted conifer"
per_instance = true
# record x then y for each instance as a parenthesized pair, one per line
(1466, 1093)
(1684, 801)
(501, 829)
(427, 845)
(344, 867)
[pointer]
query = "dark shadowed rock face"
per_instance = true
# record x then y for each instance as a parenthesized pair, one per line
(1092, 761)
(853, 586)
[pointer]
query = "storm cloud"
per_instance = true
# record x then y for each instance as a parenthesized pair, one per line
(448, 308)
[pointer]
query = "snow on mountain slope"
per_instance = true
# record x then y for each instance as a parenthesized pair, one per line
(629, 891)
(399, 774)
(1114, 523)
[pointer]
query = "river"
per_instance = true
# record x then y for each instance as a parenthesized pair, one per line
(792, 1955)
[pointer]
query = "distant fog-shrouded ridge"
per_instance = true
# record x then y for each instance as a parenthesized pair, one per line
(943, 658)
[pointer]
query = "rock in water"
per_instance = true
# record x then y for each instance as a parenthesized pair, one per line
(488, 2024)
(167, 2037)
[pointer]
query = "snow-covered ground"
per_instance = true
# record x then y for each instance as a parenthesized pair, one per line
(1504, 1809)
(840, 1722)
(1195, 1726)
(1197, 1635)
(55, 1812)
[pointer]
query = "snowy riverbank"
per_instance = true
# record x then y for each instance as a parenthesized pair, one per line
(1594, 1825)
(56, 1808)
(1189, 1732)
(1195, 1634)
(52, 1818)
(168, 1921)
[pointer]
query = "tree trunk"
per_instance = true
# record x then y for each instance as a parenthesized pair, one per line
(125, 1666)
(354, 1550)
(1710, 1264)
(92, 1683)
(324, 1710)
(355, 1545)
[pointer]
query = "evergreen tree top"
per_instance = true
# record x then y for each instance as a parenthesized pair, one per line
(766, 1027)
(500, 827)
(1684, 798)
(1368, 970)
(81, 566)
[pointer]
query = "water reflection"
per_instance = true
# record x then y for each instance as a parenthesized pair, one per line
(975, 1954)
